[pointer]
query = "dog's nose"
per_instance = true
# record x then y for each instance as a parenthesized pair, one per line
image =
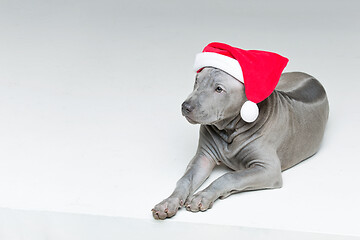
(186, 108)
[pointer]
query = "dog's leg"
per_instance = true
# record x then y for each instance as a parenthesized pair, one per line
(196, 173)
(257, 176)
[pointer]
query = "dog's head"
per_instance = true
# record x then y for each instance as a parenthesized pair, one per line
(216, 96)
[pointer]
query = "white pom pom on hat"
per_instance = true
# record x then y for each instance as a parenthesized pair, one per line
(249, 111)
(259, 71)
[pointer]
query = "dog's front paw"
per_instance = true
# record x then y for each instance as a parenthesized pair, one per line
(167, 208)
(201, 201)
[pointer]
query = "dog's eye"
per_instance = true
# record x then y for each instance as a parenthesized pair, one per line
(219, 89)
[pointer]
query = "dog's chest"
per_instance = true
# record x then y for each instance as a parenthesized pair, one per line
(229, 150)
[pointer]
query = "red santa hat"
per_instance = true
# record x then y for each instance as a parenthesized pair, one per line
(259, 71)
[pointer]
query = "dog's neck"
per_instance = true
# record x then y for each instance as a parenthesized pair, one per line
(229, 124)
(231, 127)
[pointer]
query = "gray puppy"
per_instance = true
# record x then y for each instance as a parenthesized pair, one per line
(289, 129)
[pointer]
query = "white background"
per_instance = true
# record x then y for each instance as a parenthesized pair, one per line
(90, 95)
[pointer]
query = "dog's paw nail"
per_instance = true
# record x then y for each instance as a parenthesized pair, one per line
(166, 210)
(200, 205)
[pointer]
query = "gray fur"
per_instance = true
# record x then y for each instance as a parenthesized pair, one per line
(289, 129)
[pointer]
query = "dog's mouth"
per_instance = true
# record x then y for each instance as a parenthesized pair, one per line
(190, 120)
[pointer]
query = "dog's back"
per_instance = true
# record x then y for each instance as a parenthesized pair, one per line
(310, 109)
(301, 87)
